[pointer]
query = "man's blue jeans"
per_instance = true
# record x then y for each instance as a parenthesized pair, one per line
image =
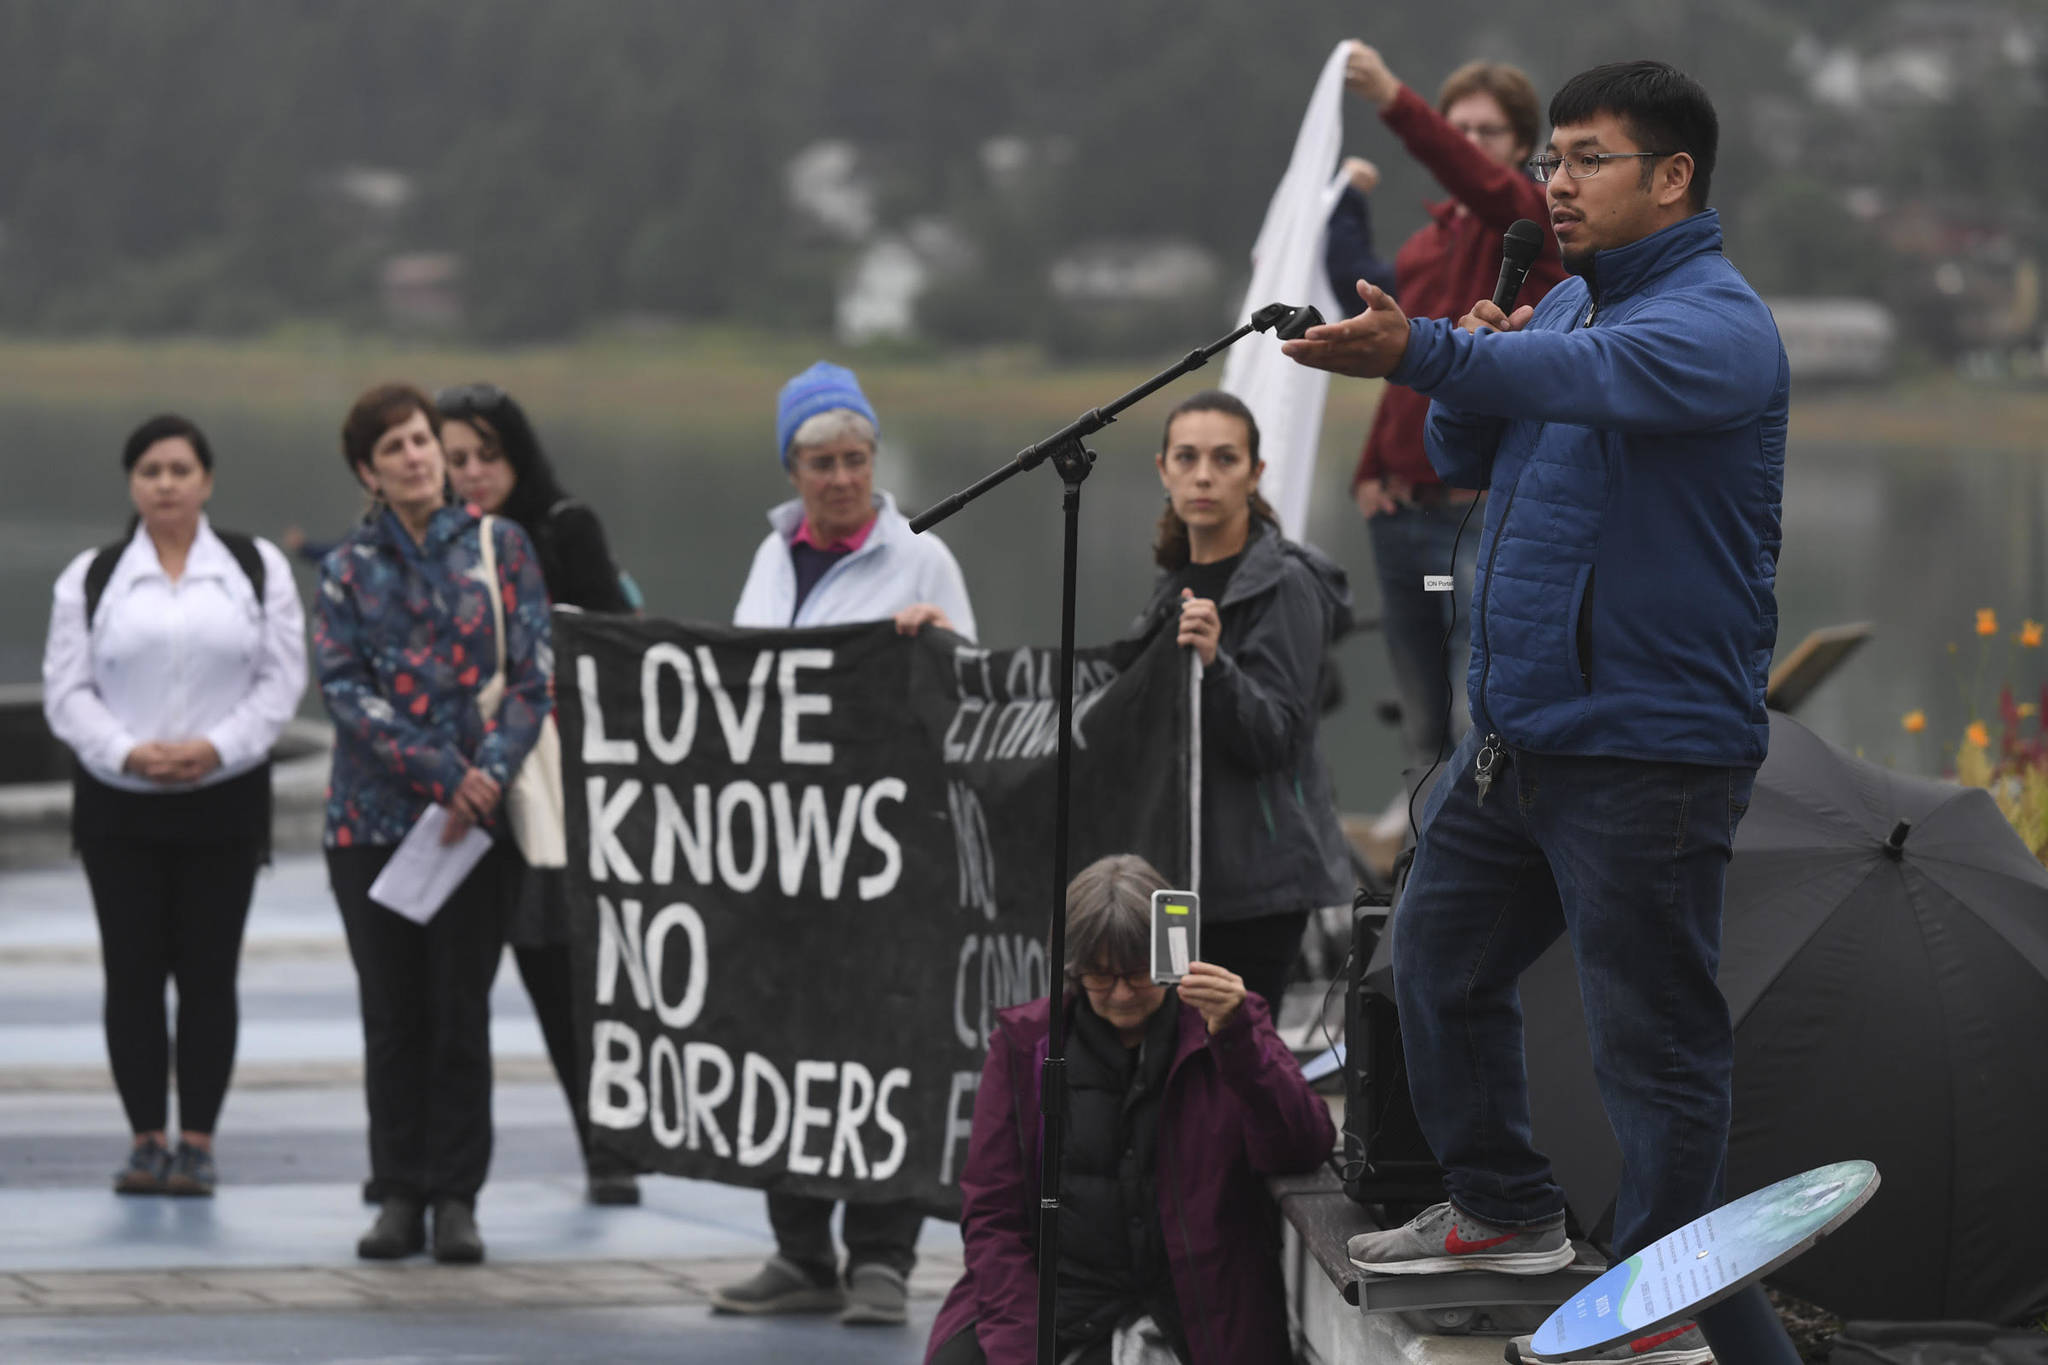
(1407, 545)
(1628, 858)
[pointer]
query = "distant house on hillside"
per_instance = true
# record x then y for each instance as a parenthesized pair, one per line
(1836, 340)
(1113, 273)
(421, 291)
(878, 298)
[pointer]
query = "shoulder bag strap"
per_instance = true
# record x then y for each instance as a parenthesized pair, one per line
(487, 551)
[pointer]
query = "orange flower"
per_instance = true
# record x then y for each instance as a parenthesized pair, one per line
(1914, 721)
(1978, 735)
(2030, 634)
(2028, 708)
(1987, 621)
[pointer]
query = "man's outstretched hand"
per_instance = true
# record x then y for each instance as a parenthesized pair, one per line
(1368, 346)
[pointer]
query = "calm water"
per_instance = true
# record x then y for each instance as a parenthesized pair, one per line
(1912, 540)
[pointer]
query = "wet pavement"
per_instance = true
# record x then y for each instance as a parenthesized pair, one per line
(614, 1335)
(266, 1270)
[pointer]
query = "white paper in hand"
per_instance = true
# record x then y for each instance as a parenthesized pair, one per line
(424, 872)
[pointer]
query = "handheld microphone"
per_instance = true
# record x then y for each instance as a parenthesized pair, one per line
(1517, 253)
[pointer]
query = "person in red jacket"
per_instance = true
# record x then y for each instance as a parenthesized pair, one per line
(1180, 1101)
(1484, 127)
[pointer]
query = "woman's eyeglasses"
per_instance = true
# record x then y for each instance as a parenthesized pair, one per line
(1106, 981)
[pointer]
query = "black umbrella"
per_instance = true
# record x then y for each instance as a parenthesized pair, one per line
(1885, 958)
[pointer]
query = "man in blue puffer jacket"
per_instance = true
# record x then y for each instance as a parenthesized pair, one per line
(1631, 430)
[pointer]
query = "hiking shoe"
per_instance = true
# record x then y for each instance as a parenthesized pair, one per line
(400, 1230)
(780, 1286)
(191, 1174)
(1443, 1238)
(613, 1190)
(148, 1164)
(456, 1239)
(876, 1295)
(1680, 1345)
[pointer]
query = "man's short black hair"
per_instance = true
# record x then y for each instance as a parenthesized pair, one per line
(1663, 109)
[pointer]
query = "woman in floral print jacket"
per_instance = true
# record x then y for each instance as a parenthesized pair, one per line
(404, 638)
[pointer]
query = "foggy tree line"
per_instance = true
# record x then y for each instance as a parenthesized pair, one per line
(178, 167)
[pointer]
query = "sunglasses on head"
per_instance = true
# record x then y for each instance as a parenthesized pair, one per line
(468, 398)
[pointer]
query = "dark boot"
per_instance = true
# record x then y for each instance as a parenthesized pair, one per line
(456, 1239)
(400, 1230)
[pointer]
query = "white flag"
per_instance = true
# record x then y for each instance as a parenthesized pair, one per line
(1287, 267)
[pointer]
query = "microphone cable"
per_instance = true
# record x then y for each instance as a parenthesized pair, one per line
(1524, 240)
(1444, 650)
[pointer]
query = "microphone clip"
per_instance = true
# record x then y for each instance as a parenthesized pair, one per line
(1286, 321)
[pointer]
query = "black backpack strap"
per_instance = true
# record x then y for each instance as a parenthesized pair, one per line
(101, 571)
(98, 574)
(243, 548)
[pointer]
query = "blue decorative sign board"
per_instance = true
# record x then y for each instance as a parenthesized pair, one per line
(1708, 1259)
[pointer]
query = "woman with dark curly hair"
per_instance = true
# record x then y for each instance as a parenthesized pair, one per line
(497, 464)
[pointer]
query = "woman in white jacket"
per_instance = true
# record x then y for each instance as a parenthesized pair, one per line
(174, 659)
(840, 552)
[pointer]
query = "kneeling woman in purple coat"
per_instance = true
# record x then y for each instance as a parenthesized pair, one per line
(1181, 1100)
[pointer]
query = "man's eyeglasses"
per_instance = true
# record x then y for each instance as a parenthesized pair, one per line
(1106, 981)
(1486, 132)
(1581, 165)
(852, 461)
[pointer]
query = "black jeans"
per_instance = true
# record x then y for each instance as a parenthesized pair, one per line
(549, 976)
(426, 1002)
(1262, 950)
(876, 1234)
(171, 912)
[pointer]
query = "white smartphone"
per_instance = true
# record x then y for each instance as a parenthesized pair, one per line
(1176, 934)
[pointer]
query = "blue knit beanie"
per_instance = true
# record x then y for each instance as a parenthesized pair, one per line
(821, 388)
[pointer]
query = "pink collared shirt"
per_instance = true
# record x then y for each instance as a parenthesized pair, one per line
(805, 536)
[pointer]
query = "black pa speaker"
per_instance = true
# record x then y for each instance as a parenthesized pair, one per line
(1387, 1162)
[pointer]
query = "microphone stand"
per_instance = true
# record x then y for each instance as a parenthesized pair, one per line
(1073, 460)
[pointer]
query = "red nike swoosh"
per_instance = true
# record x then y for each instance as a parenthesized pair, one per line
(1642, 1344)
(1458, 1246)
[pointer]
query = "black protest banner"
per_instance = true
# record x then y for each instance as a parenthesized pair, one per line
(806, 868)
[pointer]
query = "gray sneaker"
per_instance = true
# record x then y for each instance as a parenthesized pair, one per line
(1680, 1345)
(148, 1165)
(191, 1174)
(876, 1295)
(1443, 1238)
(779, 1286)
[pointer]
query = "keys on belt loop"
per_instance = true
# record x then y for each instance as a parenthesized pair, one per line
(1483, 766)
